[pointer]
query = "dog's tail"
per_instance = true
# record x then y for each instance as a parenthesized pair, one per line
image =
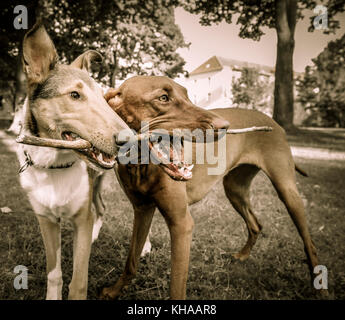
(300, 171)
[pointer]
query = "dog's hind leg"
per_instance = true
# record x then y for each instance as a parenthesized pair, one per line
(147, 246)
(51, 235)
(283, 178)
(236, 185)
(142, 222)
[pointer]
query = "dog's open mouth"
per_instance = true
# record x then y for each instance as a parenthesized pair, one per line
(172, 160)
(93, 154)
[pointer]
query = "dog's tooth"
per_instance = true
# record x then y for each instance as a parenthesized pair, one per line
(176, 155)
(100, 157)
(181, 170)
(74, 135)
(164, 155)
(161, 153)
(96, 151)
(157, 147)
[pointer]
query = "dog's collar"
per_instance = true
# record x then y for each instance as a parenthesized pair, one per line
(28, 163)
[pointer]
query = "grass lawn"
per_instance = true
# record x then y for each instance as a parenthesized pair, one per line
(276, 268)
(332, 139)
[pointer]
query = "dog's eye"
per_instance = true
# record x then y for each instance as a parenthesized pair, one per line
(75, 95)
(163, 98)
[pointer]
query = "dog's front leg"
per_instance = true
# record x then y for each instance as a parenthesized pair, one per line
(51, 235)
(181, 228)
(172, 203)
(83, 225)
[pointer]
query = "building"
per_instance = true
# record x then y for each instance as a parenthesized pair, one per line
(209, 85)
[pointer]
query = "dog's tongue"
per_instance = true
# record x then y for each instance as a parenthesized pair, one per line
(68, 137)
(174, 164)
(107, 158)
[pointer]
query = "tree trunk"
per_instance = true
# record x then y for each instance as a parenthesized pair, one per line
(113, 76)
(283, 89)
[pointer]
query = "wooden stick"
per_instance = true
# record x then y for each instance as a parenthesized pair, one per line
(83, 144)
(53, 143)
(250, 129)
(146, 135)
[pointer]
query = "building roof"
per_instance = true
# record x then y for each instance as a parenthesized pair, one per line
(217, 63)
(212, 64)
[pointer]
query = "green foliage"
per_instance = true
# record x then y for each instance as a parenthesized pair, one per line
(252, 91)
(254, 16)
(333, 7)
(135, 37)
(321, 90)
(10, 39)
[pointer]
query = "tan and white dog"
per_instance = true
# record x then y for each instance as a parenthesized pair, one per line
(63, 102)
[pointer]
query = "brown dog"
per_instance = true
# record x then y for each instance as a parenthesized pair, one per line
(165, 104)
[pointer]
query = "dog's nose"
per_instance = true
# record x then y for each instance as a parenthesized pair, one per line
(123, 137)
(120, 141)
(220, 123)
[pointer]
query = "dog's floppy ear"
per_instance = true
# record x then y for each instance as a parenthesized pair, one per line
(84, 60)
(39, 54)
(113, 97)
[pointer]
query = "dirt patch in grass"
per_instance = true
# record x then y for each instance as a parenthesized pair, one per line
(276, 268)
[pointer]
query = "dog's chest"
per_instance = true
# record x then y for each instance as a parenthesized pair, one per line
(57, 193)
(139, 178)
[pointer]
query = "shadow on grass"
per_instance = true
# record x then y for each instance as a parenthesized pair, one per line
(318, 138)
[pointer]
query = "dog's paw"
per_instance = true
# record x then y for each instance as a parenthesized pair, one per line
(109, 293)
(241, 255)
(147, 249)
(96, 228)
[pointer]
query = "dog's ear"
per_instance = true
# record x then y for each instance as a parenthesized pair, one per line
(39, 54)
(85, 60)
(113, 97)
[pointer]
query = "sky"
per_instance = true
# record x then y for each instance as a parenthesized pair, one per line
(223, 40)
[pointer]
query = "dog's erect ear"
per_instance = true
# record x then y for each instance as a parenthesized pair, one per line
(84, 60)
(39, 54)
